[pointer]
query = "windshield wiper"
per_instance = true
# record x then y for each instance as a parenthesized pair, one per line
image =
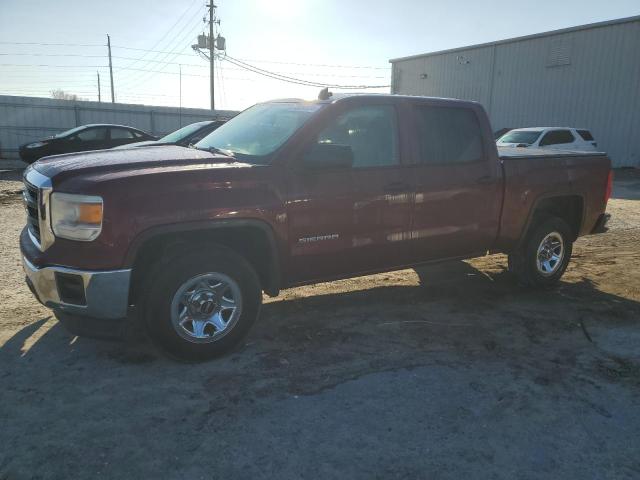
(226, 153)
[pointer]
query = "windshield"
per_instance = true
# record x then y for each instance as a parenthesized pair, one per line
(183, 132)
(521, 136)
(259, 130)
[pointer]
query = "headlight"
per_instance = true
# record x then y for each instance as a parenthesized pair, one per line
(35, 145)
(76, 217)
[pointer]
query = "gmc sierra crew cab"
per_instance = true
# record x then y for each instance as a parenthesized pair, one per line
(293, 192)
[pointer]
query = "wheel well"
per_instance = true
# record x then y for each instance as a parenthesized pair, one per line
(251, 242)
(569, 208)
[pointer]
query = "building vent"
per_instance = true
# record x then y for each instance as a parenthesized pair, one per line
(559, 52)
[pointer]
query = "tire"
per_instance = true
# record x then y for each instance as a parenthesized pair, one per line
(534, 271)
(200, 305)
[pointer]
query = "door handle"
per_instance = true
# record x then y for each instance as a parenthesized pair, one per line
(487, 179)
(396, 187)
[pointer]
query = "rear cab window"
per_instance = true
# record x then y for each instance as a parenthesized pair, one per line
(448, 135)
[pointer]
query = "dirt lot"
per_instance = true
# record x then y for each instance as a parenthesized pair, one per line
(468, 376)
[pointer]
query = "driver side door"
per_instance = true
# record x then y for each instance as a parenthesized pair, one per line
(344, 221)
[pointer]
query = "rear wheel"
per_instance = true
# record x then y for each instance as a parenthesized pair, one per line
(202, 304)
(544, 256)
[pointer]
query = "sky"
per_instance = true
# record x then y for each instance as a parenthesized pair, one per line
(346, 43)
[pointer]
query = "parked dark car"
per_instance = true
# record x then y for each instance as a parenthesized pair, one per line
(185, 136)
(82, 139)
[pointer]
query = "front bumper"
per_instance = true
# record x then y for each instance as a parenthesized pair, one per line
(101, 294)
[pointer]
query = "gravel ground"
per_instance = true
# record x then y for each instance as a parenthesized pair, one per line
(466, 375)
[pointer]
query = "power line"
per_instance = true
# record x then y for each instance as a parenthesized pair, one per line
(298, 81)
(196, 65)
(139, 77)
(269, 61)
(231, 68)
(55, 44)
(51, 55)
(49, 65)
(315, 64)
(145, 50)
(158, 71)
(136, 59)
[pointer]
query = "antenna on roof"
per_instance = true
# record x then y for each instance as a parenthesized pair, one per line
(325, 94)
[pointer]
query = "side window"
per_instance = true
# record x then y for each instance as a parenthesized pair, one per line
(121, 134)
(92, 134)
(586, 135)
(557, 137)
(135, 134)
(371, 132)
(448, 135)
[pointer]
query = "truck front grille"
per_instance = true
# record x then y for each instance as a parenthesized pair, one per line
(31, 200)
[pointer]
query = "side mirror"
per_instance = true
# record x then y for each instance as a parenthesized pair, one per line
(325, 156)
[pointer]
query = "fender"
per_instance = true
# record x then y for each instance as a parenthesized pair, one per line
(534, 207)
(274, 275)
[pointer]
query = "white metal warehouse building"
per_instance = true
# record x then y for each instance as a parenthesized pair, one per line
(585, 77)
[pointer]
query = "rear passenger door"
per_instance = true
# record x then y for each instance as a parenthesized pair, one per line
(457, 183)
(560, 139)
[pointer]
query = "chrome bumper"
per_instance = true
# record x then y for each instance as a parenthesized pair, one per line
(106, 293)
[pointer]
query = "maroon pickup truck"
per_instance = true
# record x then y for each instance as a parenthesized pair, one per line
(288, 193)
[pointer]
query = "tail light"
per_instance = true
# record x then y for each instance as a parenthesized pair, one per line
(607, 192)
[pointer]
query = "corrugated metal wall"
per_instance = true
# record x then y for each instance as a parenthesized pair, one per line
(23, 119)
(582, 77)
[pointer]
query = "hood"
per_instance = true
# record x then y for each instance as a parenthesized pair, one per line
(111, 161)
(146, 143)
(39, 140)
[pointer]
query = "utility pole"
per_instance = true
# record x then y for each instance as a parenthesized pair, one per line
(99, 96)
(113, 100)
(180, 95)
(212, 13)
(210, 43)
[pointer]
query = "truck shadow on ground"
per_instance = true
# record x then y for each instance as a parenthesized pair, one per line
(305, 345)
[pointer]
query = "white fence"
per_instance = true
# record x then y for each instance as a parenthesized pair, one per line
(24, 119)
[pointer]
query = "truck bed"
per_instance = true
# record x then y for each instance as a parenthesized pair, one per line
(533, 176)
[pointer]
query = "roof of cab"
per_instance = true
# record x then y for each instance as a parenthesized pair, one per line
(337, 97)
(109, 125)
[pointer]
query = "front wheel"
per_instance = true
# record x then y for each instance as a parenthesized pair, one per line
(544, 256)
(202, 304)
